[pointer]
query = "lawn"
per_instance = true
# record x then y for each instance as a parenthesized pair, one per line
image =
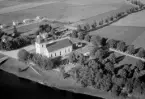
(126, 33)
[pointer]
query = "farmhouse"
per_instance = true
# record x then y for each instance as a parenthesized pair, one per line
(53, 49)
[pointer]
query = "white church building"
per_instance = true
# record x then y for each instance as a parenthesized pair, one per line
(53, 49)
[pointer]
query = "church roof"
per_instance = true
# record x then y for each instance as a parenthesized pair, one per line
(58, 45)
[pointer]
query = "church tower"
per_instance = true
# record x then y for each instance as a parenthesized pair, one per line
(38, 44)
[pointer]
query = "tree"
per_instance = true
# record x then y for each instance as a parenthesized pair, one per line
(141, 53)
(100, 53)
(74, 34)
(121, 46)
(48, 64)
(1, 33)
(112, 43)
(8, 45)
(48, 28)
(87, 27)
(111, 18)
(84, 76)
(112, 58)
(87, 38)
(15, 32)
(80, 58)
(97, 80)
(107, 20)
(131, 49)
(122, 73)
(23, 55)
(72, 58)
(109, 67)
(79, 28)
(81, 35)
(94, 25)
(137, 89)
(119, 81)
(101, 22)
(93, 50)
(127, 67)
(129, 85)
(106, 83)
(140, 65)
(115, 91)
(96, 40)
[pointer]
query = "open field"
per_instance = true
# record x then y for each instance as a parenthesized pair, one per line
(140, 41)
(8, 3)
(104, 15)
(23, 6)
(125, 33)
(66, 10)
(135, 19)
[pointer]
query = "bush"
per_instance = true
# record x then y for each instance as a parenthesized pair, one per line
(23, 55)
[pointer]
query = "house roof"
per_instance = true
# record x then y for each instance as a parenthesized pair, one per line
(58, 45)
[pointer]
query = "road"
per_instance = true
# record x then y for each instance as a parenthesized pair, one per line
(126, 54)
